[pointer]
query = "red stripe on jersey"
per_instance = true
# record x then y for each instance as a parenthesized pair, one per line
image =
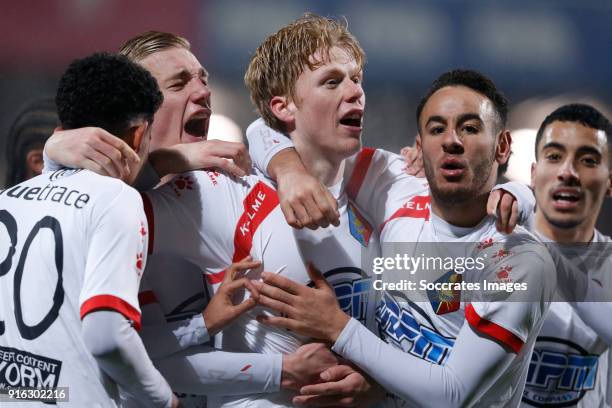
(148, 209)
(364, 158)
(214, 278)
(493, 330)
(258, 204)
(110, 302)
(417, 207)
(146, 298)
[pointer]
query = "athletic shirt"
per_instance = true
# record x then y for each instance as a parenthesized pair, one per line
(73, 243)
(569, 365)
(427, 328)
(212, 220)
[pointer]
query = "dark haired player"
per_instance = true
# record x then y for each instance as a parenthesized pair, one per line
(24, 148)
(76, 251)
(439, 353)
(571, 178)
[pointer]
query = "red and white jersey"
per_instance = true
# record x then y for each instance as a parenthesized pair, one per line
(570, 365)
(73, 242)
(427, 326)
(212, 220)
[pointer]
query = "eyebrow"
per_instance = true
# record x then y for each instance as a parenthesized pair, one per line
(435, 118)
(183, 73)
(468, 116)
(580, 150)
(462, 119)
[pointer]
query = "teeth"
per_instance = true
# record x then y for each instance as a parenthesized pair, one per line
(566, 196)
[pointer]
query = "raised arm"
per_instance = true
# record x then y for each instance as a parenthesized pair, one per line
(305, 201)
(97, 150)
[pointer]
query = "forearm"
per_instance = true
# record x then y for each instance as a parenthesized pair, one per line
(168, 160)
(265, 144)
(166, 339)
(203, 370)
(417, 381)
(122, 356)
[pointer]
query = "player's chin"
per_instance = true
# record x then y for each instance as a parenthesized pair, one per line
(350, 146)
(565, 220)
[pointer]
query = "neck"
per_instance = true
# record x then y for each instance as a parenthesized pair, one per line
(328, 170)
(466, 214)
(581, 233)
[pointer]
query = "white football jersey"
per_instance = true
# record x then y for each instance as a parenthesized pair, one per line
(426, 326)
(569, 365)
(73, 242)
(212, 220)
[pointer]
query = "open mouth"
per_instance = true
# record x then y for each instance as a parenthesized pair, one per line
(197, 125)
(353, 119)
(566, 196)
(452, 168)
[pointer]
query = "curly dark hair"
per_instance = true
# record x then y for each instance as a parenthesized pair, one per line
(476, 82)
(107, 91)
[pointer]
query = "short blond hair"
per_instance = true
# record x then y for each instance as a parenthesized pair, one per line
(145, 44)
(283, 56)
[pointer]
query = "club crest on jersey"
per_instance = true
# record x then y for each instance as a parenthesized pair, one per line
(360, 228)
(560, 373)
(446, 301)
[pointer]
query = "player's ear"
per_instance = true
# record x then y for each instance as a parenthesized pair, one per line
(34, 161)
(283, 108)
(609, 189)
(503, 148)
(138, 134)
(533, 170)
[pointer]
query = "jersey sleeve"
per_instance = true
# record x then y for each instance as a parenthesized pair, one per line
(49, 165)
(265, 143)
(524, 197)
(192, 216)
(377, 182)
(116, 256)
(418, 382)
(203, 370)
(510, 315)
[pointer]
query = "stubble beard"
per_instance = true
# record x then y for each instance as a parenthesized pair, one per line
(450, 196)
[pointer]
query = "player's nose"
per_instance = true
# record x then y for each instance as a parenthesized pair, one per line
(354, 92)
(567, 173)
(451, 142)
(201, 94)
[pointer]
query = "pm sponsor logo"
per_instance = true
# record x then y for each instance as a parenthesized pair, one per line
(20, 369)
(399, 327)
(353, 290)
(560, 373)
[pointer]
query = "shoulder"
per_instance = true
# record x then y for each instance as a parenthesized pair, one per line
(208, 182)
(519, 251)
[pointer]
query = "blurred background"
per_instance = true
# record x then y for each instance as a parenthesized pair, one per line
(540, 53)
